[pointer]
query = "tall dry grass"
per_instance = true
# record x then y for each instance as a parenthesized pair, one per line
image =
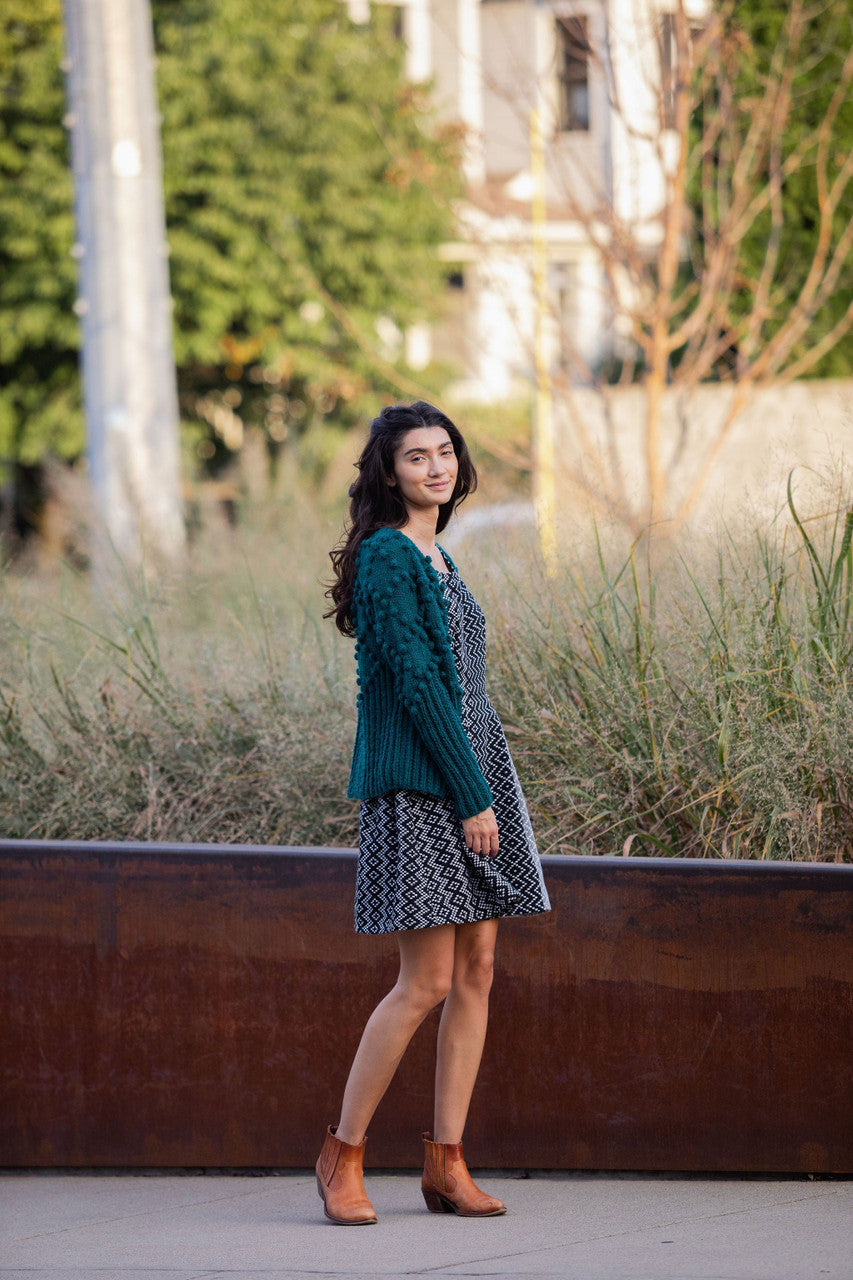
(701, 708)
(215, 706)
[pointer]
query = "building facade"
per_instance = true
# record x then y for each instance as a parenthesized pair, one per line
(564, 105)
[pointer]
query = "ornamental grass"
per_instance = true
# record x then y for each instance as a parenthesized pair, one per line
(683, 700)
(691, 711)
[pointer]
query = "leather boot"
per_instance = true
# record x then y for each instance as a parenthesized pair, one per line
(448, 1187)
(340, 1184)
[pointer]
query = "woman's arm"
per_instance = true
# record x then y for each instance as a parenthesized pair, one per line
(393, 611)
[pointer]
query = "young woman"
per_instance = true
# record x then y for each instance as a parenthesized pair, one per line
(446, 847)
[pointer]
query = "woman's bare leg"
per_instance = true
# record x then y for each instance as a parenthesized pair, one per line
(427, 960)
(462, 1030)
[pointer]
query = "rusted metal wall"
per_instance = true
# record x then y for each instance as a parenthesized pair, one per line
(199, 1005)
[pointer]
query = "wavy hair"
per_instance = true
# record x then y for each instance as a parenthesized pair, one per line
(374, 504)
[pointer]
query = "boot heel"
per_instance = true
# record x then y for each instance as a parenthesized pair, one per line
(435, 1203)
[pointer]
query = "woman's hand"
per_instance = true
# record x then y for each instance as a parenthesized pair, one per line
(481, 833)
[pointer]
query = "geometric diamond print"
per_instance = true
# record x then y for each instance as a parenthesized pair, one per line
(414, 867)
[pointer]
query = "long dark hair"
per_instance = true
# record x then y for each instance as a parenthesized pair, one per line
(374, 504)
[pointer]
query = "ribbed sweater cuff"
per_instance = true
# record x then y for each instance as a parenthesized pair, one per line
(442, 731)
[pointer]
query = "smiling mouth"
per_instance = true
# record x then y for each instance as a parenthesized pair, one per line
(439, 484)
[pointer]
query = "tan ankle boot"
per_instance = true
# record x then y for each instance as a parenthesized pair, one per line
(448, 1187)
(340, 1183)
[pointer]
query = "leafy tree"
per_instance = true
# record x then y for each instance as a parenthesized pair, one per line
(748, 127)
(306, 193)
(306, 188)
(808, 45)
(39, 390)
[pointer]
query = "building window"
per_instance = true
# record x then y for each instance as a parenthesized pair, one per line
(573, 54)
(670, 67)
(667, 51)
(398, 21)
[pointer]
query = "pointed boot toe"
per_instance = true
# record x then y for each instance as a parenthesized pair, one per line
(340, 1183)
(448, 1187)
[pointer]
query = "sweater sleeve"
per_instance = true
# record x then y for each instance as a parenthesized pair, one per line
(409, 651)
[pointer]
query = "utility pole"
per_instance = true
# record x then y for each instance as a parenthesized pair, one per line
(124, 302)
(544, 485)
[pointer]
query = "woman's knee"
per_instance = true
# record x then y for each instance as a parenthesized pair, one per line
(474, 972)
(425, 990)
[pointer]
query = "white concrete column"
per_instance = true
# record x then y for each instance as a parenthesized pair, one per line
(418, 31)
(502, 330)
(471, 87)
(591, 309)
(359, 10)
(638, 180)
(418, 345)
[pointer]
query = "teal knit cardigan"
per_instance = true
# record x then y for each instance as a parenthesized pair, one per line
(409, 731)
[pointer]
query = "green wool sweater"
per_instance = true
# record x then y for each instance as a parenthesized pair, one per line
(410, 731)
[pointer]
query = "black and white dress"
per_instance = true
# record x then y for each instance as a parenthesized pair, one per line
(414, 867)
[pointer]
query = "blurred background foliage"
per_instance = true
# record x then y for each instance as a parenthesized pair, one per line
(40, 399)
(307, 185)
(755, 44)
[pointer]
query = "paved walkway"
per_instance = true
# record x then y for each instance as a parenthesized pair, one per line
(583, 1226)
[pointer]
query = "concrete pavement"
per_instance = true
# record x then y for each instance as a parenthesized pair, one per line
(57, 1226)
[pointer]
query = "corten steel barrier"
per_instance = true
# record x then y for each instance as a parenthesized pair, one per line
(186, 1005)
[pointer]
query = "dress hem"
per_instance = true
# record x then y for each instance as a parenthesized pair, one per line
(468, 919)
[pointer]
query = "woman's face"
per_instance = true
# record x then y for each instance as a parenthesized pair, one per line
(425, 467)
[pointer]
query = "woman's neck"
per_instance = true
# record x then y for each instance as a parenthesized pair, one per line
(420, 527)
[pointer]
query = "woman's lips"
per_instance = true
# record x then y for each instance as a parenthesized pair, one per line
(441, 484)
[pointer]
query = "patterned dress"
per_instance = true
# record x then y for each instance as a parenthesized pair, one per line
(414, 867)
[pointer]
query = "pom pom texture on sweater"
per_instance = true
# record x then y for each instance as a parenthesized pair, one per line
(409, 731)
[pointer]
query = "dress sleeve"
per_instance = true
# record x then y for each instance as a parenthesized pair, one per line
(410, 652)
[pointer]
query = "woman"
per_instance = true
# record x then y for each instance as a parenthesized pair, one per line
(446, 847)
